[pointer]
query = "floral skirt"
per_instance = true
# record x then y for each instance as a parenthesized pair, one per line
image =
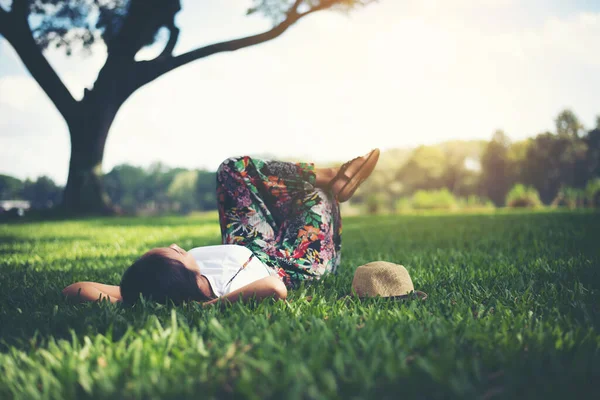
(274, 209)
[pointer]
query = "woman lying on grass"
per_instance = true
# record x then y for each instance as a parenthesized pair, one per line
(280, 225)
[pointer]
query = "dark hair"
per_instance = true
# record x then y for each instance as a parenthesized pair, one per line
(161, 279)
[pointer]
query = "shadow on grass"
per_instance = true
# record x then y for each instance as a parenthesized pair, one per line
(196, 219)
(35, 310)
(118, 221)
(11, 238)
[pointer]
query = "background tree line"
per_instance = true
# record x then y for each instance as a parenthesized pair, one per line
(559, 168)
(133, 190)
(41, 193)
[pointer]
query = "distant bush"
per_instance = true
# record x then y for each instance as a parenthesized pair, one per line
(523, 196)
(377, 203)
(592, 193)
(404, 204)
(569, 197)
(433, 200)
(441, 199)
(475, 202)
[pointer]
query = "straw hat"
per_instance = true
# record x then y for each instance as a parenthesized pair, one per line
(385, 279)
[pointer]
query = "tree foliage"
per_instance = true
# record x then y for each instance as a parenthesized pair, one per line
(76, 24)
(495, 179)
(41, 193)
(182, 190)
(10, 188)
(160, 189)
(592, 140)
(592, 192)
(425, 169)
(554, 161)
(523, 196)
(567, 124)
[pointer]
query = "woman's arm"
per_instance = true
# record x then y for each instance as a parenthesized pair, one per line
(92, 291)
(271, 286)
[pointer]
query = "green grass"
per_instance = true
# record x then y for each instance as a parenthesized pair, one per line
(513, 311)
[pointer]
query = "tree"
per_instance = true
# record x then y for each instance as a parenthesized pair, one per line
(462, 166)
(158, 180)
(125, 26)
(425, 169)
(41, 193)
(555, 161)
(10, 188)
(517, 152)
(182, 191)
(127, 187)
(567, 124)
(592, 140)
(206, 197)
(382, 189)
(495, 168)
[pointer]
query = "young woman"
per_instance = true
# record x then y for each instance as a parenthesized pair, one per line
(280, 225)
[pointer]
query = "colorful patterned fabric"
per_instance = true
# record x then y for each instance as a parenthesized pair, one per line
(274, 209)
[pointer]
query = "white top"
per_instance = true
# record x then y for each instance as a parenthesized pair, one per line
(229, 267)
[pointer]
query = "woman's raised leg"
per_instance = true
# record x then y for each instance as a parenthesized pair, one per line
(274, 209)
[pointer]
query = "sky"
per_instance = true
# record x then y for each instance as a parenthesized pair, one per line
(397, 73)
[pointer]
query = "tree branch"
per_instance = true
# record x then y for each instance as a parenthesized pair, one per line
(150, 70)
(3, 20)
(17, 13)
(293, 11)
(19, 8)
(18, 34)
(325, 4)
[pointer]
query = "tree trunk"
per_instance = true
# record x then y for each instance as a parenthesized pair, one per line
(84, 193)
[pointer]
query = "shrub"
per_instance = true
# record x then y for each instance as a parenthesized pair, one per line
(433, 199)
(376, 203)
(475, 202)
(569, 197)
(404, 204)
(592, 193)
(441, 199)
(523, 196)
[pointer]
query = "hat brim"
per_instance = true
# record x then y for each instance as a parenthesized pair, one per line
(416, 294)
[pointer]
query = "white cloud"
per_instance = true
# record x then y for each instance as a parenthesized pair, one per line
(33, 136)
(20, 92)
(573, 39)
(44, 152)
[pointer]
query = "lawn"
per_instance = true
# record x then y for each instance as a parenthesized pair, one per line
(513, 311)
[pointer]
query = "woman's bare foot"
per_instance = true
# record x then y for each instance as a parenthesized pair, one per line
(344, 181)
